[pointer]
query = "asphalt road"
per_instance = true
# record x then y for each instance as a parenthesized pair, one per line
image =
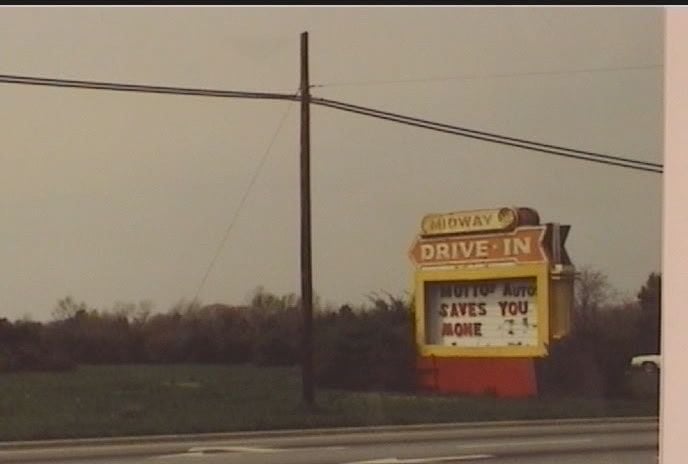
(596, 442)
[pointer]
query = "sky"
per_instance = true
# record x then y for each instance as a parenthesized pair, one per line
(120, 197)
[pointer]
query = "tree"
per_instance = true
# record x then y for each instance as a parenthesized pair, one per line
(592, 292)
(68, 308)
(649, 326)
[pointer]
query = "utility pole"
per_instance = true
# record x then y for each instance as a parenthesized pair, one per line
(308, 389)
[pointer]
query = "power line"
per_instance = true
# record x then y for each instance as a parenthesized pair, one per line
(467, 77)
(242, 202)
(140, 88)
(494, 138)
(431, 126)
(394, 117)
(489, 134)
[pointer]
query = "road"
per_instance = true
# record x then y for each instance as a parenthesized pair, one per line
(560, 442)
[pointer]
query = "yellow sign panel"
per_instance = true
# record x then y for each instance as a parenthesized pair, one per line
(501, 311)
(469, 221)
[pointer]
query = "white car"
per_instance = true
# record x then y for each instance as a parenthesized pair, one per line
(650, 363)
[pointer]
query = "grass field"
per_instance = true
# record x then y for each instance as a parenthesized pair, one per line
(106, 401)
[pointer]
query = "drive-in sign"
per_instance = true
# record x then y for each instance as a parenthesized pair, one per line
(523, 245)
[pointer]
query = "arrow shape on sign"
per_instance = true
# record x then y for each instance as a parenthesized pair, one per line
(523, 245)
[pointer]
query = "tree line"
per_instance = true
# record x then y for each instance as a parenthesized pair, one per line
(370, 346)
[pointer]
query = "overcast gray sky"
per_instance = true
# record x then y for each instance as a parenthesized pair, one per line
(124, 197)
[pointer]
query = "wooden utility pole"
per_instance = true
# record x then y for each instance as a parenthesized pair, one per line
(308, 389)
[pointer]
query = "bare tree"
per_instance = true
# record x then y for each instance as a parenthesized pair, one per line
(68, 307)
(592, 292)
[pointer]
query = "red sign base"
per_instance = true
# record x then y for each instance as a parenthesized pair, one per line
(501, 377)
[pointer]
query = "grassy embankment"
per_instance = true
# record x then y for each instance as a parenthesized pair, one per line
(136, 400)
